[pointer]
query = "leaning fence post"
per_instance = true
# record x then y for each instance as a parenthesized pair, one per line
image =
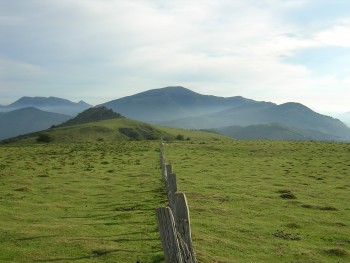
(168, 235)
(169, 168)
(182, 223)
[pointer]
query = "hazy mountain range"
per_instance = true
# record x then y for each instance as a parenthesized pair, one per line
(180, 107)
(50, 104)
(237, 117)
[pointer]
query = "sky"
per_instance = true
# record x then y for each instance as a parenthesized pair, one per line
(100, 50)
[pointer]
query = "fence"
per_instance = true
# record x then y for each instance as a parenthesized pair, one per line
(174, 221)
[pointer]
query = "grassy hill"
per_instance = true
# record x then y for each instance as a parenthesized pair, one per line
(250, 201)
(264, 201)
(110, 130)
(80, 202)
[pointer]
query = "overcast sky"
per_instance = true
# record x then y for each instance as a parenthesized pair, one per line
(100, 50)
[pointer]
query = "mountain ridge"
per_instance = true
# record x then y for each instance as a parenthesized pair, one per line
(169, 103)
(177, 106)
(49, 104)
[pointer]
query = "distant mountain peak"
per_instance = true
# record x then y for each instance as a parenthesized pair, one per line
(166, 91)
(49, 104)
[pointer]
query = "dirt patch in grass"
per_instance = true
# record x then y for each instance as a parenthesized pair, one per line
(293, 226)
(286, 236)
(287, 194)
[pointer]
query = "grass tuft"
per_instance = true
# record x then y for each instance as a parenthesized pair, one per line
(336, 252)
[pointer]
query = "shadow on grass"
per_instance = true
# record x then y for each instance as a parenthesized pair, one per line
(34, 237)
(134, 239)
(94, 254)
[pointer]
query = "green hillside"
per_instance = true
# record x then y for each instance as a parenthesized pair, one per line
(112, 130)
(250, 201)
(265, 201)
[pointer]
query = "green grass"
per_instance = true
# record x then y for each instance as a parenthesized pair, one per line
(249, 201)
(241, 209)
(80, 202)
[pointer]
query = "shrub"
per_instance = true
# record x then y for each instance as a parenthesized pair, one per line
(44, 137)
(180, 137)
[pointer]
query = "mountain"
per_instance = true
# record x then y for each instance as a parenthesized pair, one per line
(170, 103)
(50, 104)
(180, 107)
(27, 120)
(101, 125)
(294, 115)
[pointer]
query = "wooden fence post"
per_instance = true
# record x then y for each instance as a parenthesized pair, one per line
(168, 235)
(171, 190)
(182, 223)
(169, 168)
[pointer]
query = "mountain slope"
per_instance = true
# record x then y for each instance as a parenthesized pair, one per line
(299, 116)
(293, 115)
(27, 120)
(160, 105)
(50, 104)
(273, 131)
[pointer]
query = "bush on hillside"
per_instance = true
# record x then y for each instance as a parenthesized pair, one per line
(44, 137)
(180, 137)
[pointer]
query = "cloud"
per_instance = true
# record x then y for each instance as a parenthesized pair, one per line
(108, 49)
(337, 35)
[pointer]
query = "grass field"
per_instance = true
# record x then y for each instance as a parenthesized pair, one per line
(80, 202)
(249, 201)
(266, 201)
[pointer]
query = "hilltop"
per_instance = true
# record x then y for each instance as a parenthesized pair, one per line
(92, 115)
(103, 125)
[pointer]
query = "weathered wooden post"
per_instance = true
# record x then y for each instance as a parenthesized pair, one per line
(182, 223)
(169, 168)
(168, 235)
(172, 189)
